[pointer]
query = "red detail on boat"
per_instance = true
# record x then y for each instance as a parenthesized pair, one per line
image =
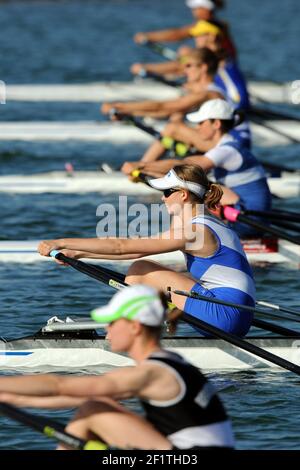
(261, 245)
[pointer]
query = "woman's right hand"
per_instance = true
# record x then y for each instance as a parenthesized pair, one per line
(140, 38)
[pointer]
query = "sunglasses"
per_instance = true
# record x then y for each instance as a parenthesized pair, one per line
(167, 192)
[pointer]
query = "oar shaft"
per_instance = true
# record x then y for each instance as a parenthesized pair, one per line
(159, 78)
(199, 323)
(278, 307)
(111, 278)
(292, 216)
(262, 123)
(267, 114)
(234, 215)
(139, 124)
(195, 295)
(281, 330)
(251, 348)
(160, 49)
(265, 228)
(49, 428)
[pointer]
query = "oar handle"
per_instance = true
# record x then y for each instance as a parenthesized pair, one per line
(54, 253)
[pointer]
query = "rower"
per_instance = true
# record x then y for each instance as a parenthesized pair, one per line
(202, 10)
(213, 252)
(182, 409)
(233, 164)
(200, 69)
(229, 77)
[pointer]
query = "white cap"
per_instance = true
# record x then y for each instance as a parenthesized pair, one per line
(138, 302)
(208, 4)
(172, 180)
(212, 109)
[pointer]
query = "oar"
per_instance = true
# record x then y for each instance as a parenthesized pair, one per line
(159, 78)
(117, 280)
(242, 344)
(291, 311)
(180, 149)
(160, 49)
(262, 123)
(195, 295)
(268, 114)
(274, 328)
(274, 167)
(234, 215)
(286, 225)
(230, 338)
(102, 274)
(50, 428)
(275, 214)
(186, 317)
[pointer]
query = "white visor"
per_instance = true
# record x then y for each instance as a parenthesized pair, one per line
(208, 4)
(172, 180)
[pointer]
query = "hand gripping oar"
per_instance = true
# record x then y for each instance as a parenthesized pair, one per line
(160, 49)
(50, 428)
(106, 275)
(234, 215)
(230, 338)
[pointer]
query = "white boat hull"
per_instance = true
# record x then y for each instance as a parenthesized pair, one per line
(119, 133)
(288, 185)
(135, 90)
(256, 251)
(205, 353)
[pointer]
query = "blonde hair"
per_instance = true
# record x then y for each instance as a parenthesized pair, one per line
(196, 174)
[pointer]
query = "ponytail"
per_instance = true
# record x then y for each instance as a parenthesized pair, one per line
(213, 196)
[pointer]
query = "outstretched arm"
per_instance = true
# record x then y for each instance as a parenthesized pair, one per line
(172, 34)
(56, 402)
(113, 246)
(71, 390)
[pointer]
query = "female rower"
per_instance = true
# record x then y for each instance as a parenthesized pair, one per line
(233, 164)
(182, 410)
(214, 256)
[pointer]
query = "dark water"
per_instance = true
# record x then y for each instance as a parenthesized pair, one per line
(81, 41)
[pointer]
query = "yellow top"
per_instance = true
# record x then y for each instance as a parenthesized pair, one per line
(205, 27)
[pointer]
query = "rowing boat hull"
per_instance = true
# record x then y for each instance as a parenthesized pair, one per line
(288, 185)
(205, 353)
(135, 90)
(120, 133)
(257, 251)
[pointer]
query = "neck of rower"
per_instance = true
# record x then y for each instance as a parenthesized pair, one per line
(143, 348)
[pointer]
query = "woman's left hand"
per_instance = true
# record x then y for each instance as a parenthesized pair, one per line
(46, 246)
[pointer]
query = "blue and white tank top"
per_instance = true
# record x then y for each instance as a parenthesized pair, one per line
(237, 168)
(233, 85)
(231, 81)
(226, 273)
